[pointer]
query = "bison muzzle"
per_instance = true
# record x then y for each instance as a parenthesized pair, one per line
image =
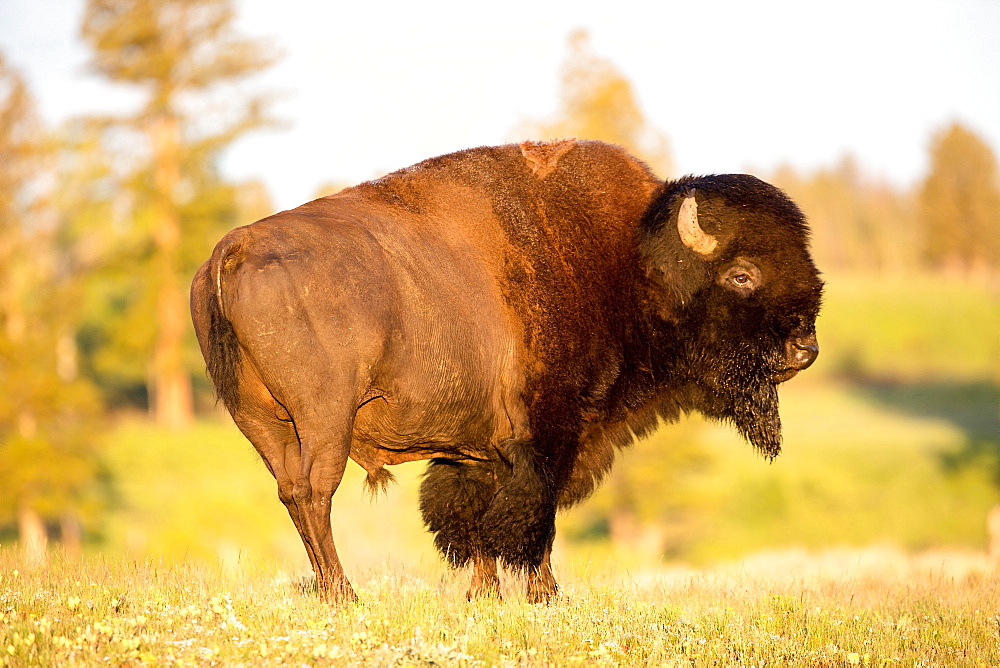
(513, 314)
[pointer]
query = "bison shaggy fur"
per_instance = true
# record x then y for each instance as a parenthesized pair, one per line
(512, 314)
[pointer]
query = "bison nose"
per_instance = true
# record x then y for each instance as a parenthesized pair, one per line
(803, 351)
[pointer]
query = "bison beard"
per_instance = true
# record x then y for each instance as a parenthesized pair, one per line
(733, 380)
(513, 314)
(745, 397)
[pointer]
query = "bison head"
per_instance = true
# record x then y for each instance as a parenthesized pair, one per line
(729, 260)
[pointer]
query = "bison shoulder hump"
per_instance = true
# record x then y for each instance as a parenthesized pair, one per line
(543, 157)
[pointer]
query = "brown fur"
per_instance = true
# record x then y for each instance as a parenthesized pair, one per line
(543, 157)
(513, 314)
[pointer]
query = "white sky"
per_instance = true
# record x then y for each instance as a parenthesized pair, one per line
(735, 84)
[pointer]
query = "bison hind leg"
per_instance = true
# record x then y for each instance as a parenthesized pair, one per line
(453, 498)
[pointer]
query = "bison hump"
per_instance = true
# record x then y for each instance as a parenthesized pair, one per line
(542, 157)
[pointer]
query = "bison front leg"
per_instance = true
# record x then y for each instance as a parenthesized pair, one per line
(542, 585)
(519, 525)
(485, 580)
(453, 498)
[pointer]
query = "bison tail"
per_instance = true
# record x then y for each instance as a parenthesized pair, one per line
(222, 352)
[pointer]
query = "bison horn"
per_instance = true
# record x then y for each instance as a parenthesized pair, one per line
(691, 233)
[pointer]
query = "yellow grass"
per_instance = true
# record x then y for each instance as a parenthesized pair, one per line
(839, 607)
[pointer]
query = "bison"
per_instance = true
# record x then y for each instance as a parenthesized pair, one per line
(513, 314)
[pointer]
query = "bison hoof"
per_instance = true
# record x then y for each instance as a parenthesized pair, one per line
(542, 590)
(539, 596)
(484, 590)
(340, 593)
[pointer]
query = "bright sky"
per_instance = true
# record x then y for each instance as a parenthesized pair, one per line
(373, 86)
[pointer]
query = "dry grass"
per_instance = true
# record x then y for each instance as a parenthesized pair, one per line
(872, 607)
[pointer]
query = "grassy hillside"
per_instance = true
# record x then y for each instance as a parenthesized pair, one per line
(913, 329)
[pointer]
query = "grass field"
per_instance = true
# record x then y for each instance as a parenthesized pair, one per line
(122, 612)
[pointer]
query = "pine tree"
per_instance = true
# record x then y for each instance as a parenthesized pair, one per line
(186, 58)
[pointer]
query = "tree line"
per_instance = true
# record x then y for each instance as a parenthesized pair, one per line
(949, 222)
(104, 220)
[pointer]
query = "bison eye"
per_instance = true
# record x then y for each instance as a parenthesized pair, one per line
(742, 280)
(743, 276)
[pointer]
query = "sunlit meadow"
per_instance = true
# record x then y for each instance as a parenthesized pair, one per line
(126, 612)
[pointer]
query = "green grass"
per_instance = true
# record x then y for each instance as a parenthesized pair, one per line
(122, 611)
(204, 495)
(851, 472)
(913, 328)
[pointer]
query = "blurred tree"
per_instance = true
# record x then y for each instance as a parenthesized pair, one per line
(96, 206)
(50, 468)
(858, 224)
(959, 203)
(253, 201)
(649, 504)
(186, 58)
(598, 102)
